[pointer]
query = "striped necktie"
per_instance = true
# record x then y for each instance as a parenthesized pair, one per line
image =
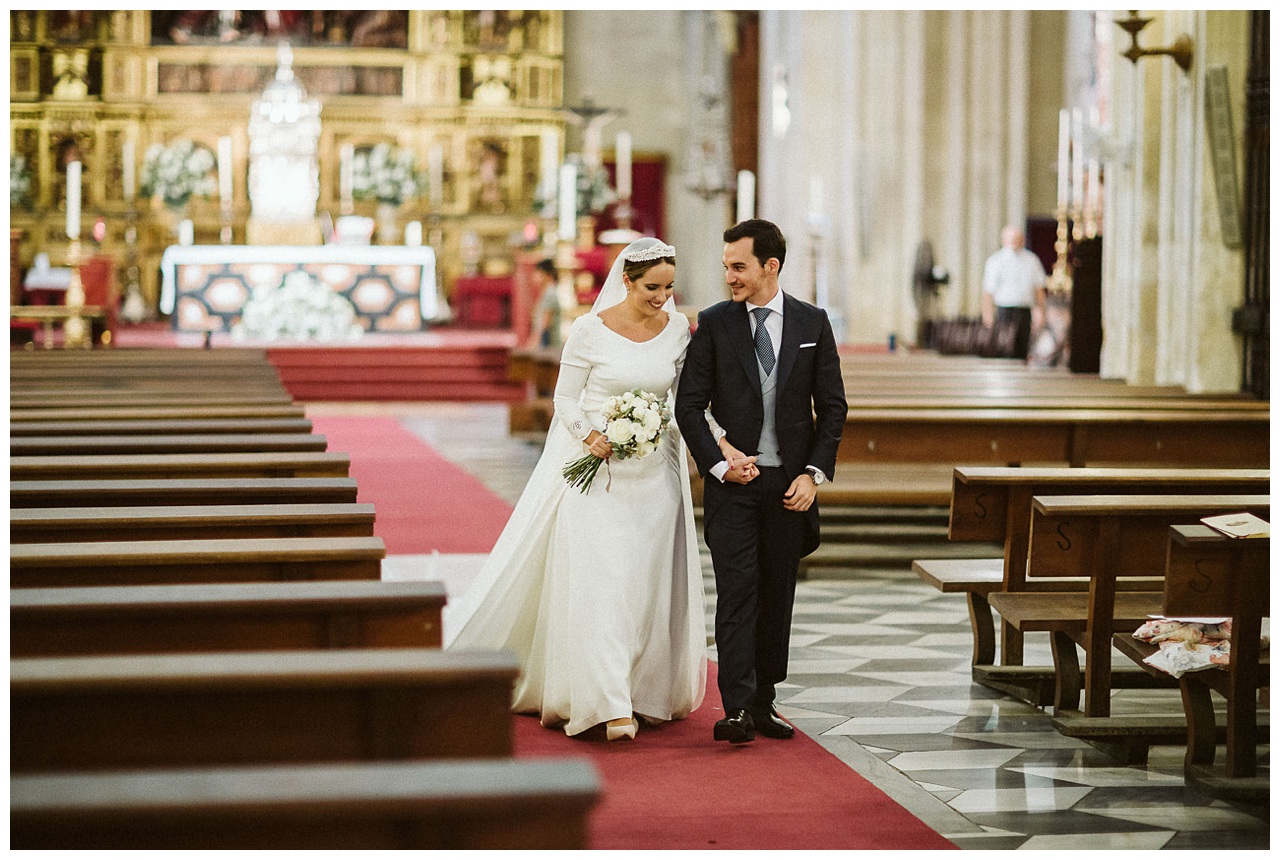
(764, 344)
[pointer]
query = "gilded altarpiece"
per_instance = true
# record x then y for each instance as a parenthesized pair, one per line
(470, 92)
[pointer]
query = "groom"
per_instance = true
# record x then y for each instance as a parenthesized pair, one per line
(765, 362)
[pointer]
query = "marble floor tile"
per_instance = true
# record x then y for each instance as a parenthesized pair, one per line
(895, 726)
(952, 760)
(1188, 818)
(921, 679)
(1149, 841)
(1034, 800)
(844, 694)
(970, 707)
(1100, 777)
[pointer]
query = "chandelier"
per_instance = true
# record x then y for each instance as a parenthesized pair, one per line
(708, 172)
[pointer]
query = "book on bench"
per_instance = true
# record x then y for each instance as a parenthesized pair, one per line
(1239, 525)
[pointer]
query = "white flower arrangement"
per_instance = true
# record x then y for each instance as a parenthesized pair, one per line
(633, 423)
(177, 172)
(19, 182)
(301, 308)
(386, 174)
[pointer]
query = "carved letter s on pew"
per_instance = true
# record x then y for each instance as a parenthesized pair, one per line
(979, 509)
(1203, 581)
(1065, 543)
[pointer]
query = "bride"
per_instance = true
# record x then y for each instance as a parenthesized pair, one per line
(599, 592)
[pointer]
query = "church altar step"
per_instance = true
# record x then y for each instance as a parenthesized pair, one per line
(334, 372)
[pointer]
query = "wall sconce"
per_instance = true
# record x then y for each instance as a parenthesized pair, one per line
(1180, 50)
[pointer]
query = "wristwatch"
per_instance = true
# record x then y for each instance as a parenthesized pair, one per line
(818, 478)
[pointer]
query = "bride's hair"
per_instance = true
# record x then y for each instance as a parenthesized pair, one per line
(634, 269)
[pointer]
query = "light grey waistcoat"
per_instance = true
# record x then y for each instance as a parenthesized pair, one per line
(769, 451)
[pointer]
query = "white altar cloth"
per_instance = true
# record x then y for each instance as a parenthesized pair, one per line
(361, 255)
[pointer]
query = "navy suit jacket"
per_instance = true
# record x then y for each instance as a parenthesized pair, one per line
(721, 370)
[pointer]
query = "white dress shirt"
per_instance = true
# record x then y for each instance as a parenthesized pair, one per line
(1012, 276)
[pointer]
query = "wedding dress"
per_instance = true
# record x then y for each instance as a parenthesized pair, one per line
(599, 594)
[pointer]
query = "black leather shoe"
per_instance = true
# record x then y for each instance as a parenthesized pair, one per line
(769, 724)
(736, 728)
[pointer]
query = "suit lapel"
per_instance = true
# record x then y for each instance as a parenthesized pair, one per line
(740, 335)
(789, 347)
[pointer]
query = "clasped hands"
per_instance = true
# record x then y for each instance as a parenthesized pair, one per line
(743, 470)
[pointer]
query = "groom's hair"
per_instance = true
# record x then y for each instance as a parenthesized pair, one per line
(766, 239)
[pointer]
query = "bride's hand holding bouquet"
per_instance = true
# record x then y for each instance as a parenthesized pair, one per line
(634, 424)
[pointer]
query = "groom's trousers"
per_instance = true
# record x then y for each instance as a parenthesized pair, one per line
(755, 548)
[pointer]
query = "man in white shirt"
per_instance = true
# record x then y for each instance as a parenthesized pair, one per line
(1013, 284)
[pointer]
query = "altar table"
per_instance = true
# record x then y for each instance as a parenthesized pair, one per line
(205, 287)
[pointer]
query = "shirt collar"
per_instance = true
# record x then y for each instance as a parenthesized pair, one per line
(774, 304)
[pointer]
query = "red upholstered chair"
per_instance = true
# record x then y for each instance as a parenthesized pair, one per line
(97, 275)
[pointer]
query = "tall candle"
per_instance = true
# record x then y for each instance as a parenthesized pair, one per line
(1077, 159)
(746, 195)
(815, 195)
(413, 234)
(1095, 185)
(435, 174)
(224, 169)
(568, 202)
(346, 176)
(549, 153)
(624, 165)
(1064, 138)
(127, 175)
(73, 200)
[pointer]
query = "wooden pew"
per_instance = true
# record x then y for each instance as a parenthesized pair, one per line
(1074, 437)
(201, 411)
(93, 563)
(181, 491)
(259, 707)
(188, 522)
(182, 443)
(1103, 538)
(159, 427)
(480, 804)
(1211, 575)
(61, 399)
(160, 357)
(993, 504)
(283, 464)
(158, 619)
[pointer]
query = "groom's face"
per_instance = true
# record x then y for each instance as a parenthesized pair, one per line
(744, 275)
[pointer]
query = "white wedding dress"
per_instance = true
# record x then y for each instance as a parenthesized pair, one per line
(599, 594)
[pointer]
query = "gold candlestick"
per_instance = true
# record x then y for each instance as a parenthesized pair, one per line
(75, 331)
(1060, 281)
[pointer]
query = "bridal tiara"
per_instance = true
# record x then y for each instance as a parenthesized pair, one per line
(653, 252)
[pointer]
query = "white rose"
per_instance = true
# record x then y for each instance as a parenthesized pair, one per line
(651, 421)
(619, 431)
(644, 449)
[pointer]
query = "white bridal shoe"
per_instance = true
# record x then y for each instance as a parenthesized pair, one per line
(624, 732)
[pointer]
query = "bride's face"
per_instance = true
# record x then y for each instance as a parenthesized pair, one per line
(650, 291)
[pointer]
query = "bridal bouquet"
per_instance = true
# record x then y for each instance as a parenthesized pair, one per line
(634, 422)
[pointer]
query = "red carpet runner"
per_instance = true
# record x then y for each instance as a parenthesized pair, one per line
(423, 502)
(673, 787)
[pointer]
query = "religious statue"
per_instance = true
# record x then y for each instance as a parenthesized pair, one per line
(284, 127)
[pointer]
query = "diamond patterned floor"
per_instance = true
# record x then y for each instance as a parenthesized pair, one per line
(880, 677)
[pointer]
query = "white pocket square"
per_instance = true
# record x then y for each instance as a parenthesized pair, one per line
(807, 345)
